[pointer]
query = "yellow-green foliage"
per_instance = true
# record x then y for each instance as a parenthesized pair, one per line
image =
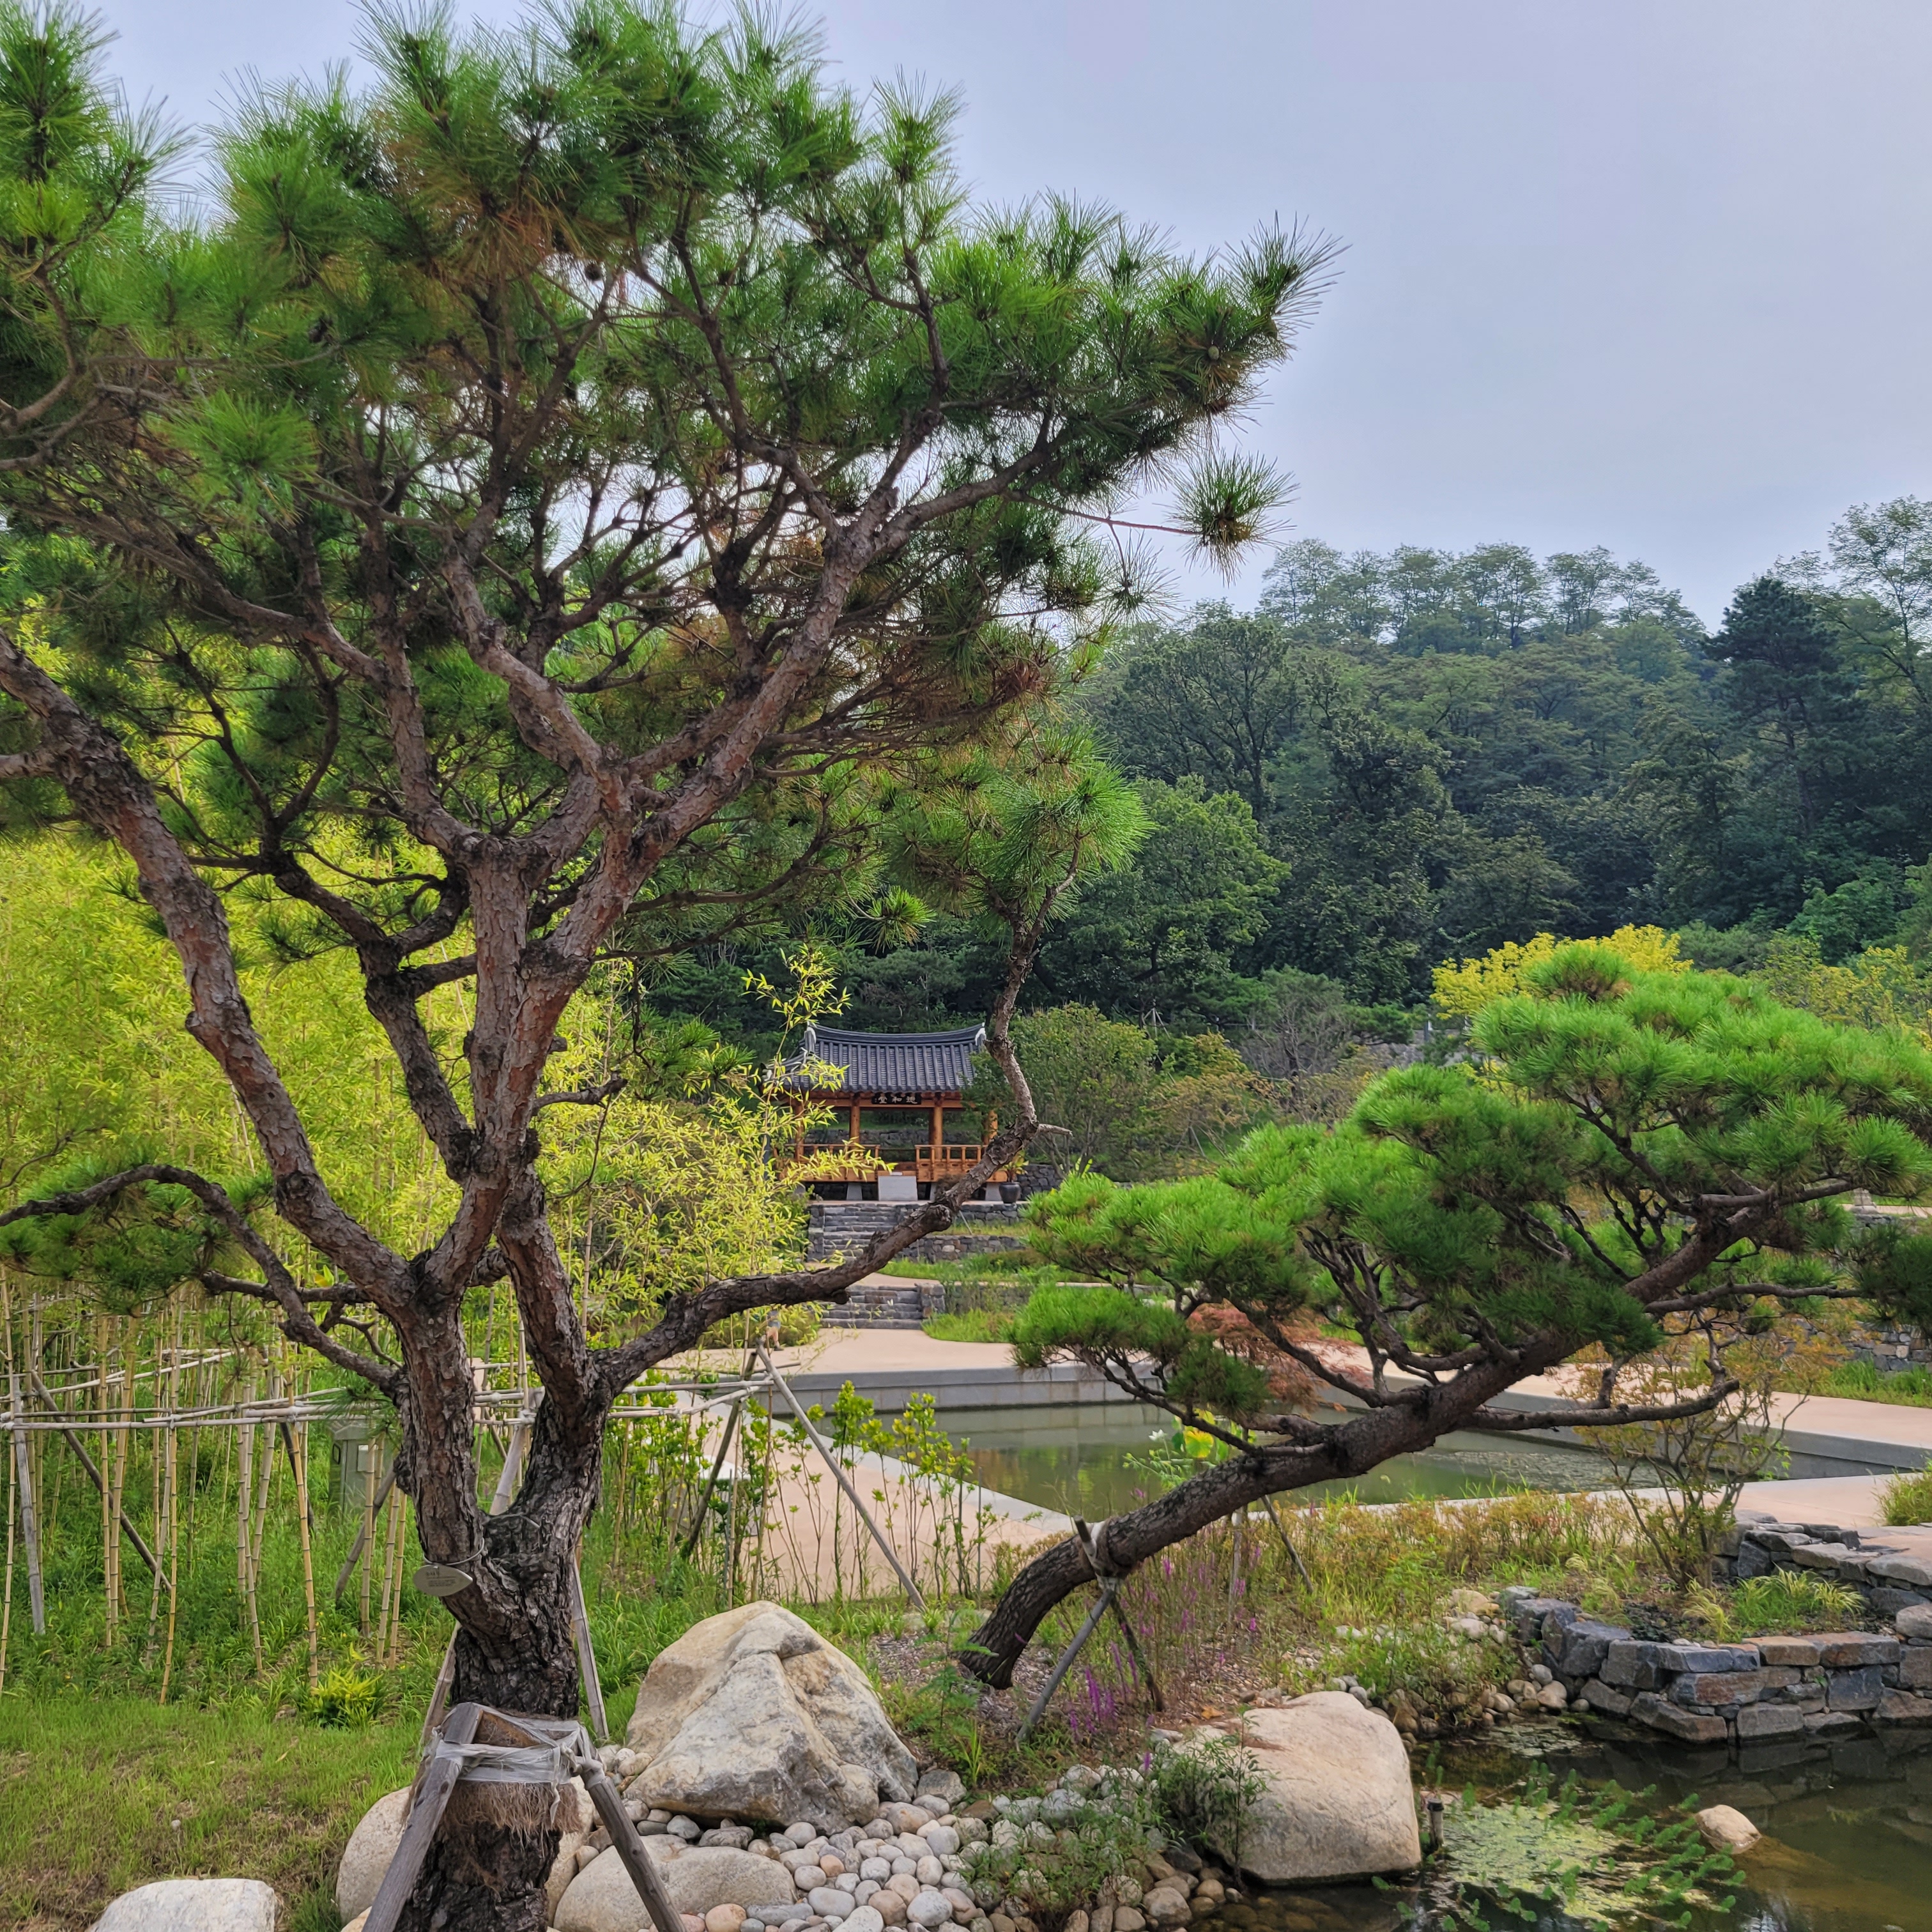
(1463, 990)
(652, 1195)
(1883, 986)
(91, 1000)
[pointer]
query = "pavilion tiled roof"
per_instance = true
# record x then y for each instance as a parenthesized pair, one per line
(895, 1062)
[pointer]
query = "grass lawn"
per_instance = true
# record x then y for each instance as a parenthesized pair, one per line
(99, 1795)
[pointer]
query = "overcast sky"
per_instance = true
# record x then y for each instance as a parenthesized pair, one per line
(1650, 275)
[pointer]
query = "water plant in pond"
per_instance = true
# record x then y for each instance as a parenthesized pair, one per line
(1597, 1859)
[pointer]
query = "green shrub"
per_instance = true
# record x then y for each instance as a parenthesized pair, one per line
(1907, 1499)
(1201, 1792)
(1439, 1671)
(976, 1324)
(346, 1698)
(1863, 1382)
(1057, 1869)
(1787, 1601)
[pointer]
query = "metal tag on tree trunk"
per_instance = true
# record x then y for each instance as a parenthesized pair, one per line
(438, 1579)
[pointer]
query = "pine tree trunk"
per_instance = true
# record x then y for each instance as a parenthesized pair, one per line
(515, 1648)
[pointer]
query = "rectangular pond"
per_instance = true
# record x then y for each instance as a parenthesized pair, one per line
(1097, 1459)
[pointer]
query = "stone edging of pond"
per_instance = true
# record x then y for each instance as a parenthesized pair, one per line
(1821, 1684)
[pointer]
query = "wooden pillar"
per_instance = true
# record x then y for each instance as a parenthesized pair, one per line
(938, 1130)
(855, 1122)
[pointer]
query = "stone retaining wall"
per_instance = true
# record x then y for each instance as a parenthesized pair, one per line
(1769, 1688)
(1890, 1569)
(838, 1227)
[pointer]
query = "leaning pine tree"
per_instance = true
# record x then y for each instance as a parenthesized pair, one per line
(1620, 1149)
(595, 494)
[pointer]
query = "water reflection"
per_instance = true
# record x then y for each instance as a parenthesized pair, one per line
(1096, 1459)
(1848, 1825)
(1848, 1843)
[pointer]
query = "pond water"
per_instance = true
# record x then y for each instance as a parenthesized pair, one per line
(1848, 1826)
(1096, 1459)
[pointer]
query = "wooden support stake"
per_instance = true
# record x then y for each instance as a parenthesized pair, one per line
(1108, 1584)
(93, 1474)
(299, 1448)
(1294, 1554)
(428, 1802)
(1121, 1617)
(831, 1461)
(711, 1482)
(586, 1657)
(30, 1529)
(630, 1848)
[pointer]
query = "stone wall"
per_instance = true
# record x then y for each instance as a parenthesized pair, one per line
(838, 1227)
(1770, 1688)
(1889, 1570)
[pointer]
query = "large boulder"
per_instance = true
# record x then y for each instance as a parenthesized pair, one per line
(753, 1714)
(1338, 1803)
(366, 1857)
(192, 1905)
(603, 1896)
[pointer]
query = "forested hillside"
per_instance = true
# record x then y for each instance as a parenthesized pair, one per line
(1397, 760)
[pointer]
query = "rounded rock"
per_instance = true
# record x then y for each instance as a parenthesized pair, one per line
(963, 1908)
(1727, 1829)
(691, 1921)
(928, 1870)
(930, 1910)
(881, 1869)
(863, 1918)
(801, 1833)
(889, 1905)
(725, 1918)
(194, 1905)
(826, 1898)
(366, 1857)
(943, 1839)
(809, 1877)
(1126, 1919)
(905, 1884)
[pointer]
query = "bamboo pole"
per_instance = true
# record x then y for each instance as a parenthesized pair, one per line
(368, 1450)
(355, 1548)
(265, 1477)
(154, 1465)
(174, 1546)
(110, 1544)
(7, 1604)
(122, 1439)
(244, 1517)
(30, 1539)
(301, 1448)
